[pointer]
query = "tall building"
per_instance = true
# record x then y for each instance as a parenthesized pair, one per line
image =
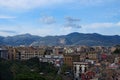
(70, 58)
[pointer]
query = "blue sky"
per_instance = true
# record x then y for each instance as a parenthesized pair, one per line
(59, 17)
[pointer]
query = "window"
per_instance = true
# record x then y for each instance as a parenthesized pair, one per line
(80, 69)
(75, 68)
(85, 69)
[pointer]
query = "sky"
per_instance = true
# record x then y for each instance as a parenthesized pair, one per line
(59, 17)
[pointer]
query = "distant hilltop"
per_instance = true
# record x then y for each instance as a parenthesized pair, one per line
(75, 38)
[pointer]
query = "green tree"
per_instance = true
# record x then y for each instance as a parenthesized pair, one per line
(5, 73)
(29, 76)
(65, 68)
(59, 77)
(117, 51)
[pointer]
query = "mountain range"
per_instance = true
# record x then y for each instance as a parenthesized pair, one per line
(75, 38)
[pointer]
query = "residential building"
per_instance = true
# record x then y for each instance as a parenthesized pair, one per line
(3, 53)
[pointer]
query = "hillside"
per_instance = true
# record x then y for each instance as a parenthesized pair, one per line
(70, 39)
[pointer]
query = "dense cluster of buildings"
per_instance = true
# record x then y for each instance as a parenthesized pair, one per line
(86, 63)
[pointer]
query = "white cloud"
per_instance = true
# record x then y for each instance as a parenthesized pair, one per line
(94, 2)
(47, 20)
(44, 30)
(40, 31)
(6, 34)
(22, 29)
(29, 4)
(89, 2)
(6, 17)
(118, 24)
(57, 29)
(108, 28)
(102, 25)
(8, 30)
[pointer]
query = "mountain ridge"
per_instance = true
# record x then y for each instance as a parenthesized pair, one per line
(75, 38)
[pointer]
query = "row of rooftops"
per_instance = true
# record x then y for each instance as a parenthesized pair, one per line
(56, 50)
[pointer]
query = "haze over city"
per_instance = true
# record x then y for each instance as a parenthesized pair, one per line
(59, 17)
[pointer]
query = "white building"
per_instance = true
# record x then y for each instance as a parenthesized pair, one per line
(79, 67)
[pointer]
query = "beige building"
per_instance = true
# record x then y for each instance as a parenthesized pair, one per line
(24, 53)
(29, 52)
(70, 58)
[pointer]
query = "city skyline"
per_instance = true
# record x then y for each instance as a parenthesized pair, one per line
(59, 17)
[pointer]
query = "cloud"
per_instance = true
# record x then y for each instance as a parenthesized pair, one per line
(102, 25)
(8, 31)
(57, 29)
(90, 2)
(72, 22)
(106, 28)
(6, 17)
(22, 29)
(30, 4)
(93, 2)
(47, 20)
(72, 25)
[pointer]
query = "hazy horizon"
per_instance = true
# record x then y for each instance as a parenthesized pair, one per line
(57, 35)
